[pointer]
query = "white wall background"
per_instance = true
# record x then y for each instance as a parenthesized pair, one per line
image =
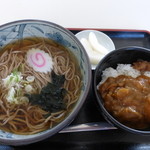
(107, 14)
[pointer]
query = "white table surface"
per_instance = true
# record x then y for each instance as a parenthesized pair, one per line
(103, 14)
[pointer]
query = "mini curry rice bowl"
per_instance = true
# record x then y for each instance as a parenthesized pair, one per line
(122, 88)
(44, 80)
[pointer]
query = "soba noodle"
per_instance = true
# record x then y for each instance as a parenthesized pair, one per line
(28, 118)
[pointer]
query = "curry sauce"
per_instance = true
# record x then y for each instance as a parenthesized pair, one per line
(128, 98)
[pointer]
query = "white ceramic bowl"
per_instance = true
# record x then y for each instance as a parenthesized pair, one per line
(37, 28)
(102, 38)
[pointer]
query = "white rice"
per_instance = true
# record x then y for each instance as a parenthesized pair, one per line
(147, 73)
(122, 69)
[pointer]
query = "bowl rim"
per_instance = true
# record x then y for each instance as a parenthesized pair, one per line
(78, 105)
(102, 38)
(99, 100)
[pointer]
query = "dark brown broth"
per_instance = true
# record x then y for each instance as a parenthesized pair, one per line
(23, 43)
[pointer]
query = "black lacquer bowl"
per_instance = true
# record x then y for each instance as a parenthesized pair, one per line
(126, 55)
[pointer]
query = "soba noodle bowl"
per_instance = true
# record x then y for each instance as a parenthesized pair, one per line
(22, 116)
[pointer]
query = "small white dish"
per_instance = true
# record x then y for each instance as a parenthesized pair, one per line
(102, 38)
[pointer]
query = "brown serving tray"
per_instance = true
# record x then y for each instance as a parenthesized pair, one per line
(90, 113)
